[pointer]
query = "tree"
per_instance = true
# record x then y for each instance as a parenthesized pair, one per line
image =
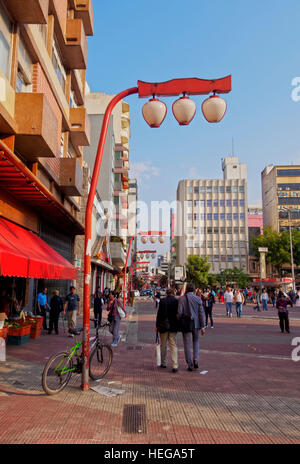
(296, 244)
(233, 276)
(278, 245)
(212, 280)
(197, 270)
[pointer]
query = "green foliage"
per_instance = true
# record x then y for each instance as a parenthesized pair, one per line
(197, 270)
(233, 276)
(212, 280)
(278, 245)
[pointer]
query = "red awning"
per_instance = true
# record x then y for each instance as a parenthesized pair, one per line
(24, 254)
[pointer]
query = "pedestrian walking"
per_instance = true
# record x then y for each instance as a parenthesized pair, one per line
(56, 307)
(239, 301)
(256, 300)
(167, 326)
(72, 305)
(43, 306)
(98, 305)
(114, 308)
(273, 298)
(221, 296)
(264, 299)
(157, 298)
(228, 297)
(283, 313)
(297, 298)
(191, 317)
(209, 301)
(292, 296)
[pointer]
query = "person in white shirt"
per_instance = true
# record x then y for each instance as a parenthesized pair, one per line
(264, 299)
(228, 297)
(239, 301)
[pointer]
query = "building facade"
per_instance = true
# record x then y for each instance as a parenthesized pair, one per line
(43, 123)
(255, 228)
(212, 218)
(280, 193)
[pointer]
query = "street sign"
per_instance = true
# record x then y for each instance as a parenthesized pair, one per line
(179, 273)
(263, 250)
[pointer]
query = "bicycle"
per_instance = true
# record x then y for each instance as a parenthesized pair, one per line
(60, 367)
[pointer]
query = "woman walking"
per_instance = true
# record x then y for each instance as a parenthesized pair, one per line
(98, 305)
(239, 301)
(56, 307)
(209, 302)
(283, 312)
(114, 306)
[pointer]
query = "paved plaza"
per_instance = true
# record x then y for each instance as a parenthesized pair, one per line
(249, 394)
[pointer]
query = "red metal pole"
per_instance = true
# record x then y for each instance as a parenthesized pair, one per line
(88, 235)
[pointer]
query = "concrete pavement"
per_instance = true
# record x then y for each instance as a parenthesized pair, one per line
(250, 393)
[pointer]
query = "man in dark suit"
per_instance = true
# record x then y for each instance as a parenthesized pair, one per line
(167, 326)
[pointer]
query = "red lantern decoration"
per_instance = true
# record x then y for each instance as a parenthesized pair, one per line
(184, 110)
(154, 112)
(214, 108)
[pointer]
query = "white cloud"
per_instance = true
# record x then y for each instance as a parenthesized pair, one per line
(143, 170)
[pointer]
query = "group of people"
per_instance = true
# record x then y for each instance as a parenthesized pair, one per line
(71, 308)
(185, 315)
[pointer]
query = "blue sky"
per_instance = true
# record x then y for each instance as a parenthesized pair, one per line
(257, 42)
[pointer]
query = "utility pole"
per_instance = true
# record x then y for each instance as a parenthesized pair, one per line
(292, 254)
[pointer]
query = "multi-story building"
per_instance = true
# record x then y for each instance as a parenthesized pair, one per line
(112, 187)
(280, 193)
(43, 127)
(212, 218)
(255, 228)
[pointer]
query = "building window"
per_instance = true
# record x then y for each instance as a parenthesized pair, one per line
(222, 216)
(196, 217)
(228, 189)
(216, 203)
(196, 189)
(216, 230)
(216, 216)
(209, 245)
(190, 190)
(202, 216)
(222, 230)
(5, 42)
(209, 203)
(190, 203)
(58, 67)
(229, 259)
(190, 217)
(241, 189)
(202, 189)
(215, 189)
(242, 203)
(235, 216)
(242, 216)
(208, 189)
(222, 189)
(229, 230)
(235, 203)
(229, 217)
(222, 202)
(228, 202)
(288, 172)
(209, 217)
(234, 189)
(196, 203)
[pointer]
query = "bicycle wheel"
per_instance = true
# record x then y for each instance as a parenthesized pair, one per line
(57, 373)
(100, 361)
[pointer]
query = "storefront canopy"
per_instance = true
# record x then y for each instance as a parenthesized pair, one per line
(24, 254)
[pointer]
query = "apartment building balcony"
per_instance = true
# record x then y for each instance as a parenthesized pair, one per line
(75, 50)
(78, 85)
(36, 127)
(121, 166)
(80, 127)
(117, 253)
(29, 12)
(84, 10)
(70, 177)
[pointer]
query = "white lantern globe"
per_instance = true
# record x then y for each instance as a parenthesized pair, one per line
(161, 239)
(144, 239)
(214, 108)
(153, 239)
(141, 257)
(153, 256)
(184, 110)
(154, 112)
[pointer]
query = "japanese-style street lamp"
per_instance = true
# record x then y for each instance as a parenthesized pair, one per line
(154, 113)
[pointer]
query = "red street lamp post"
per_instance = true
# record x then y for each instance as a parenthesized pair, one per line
(213, 112)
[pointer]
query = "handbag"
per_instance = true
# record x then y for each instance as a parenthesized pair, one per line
(157, 351)
(122, 313)
(186, 323)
